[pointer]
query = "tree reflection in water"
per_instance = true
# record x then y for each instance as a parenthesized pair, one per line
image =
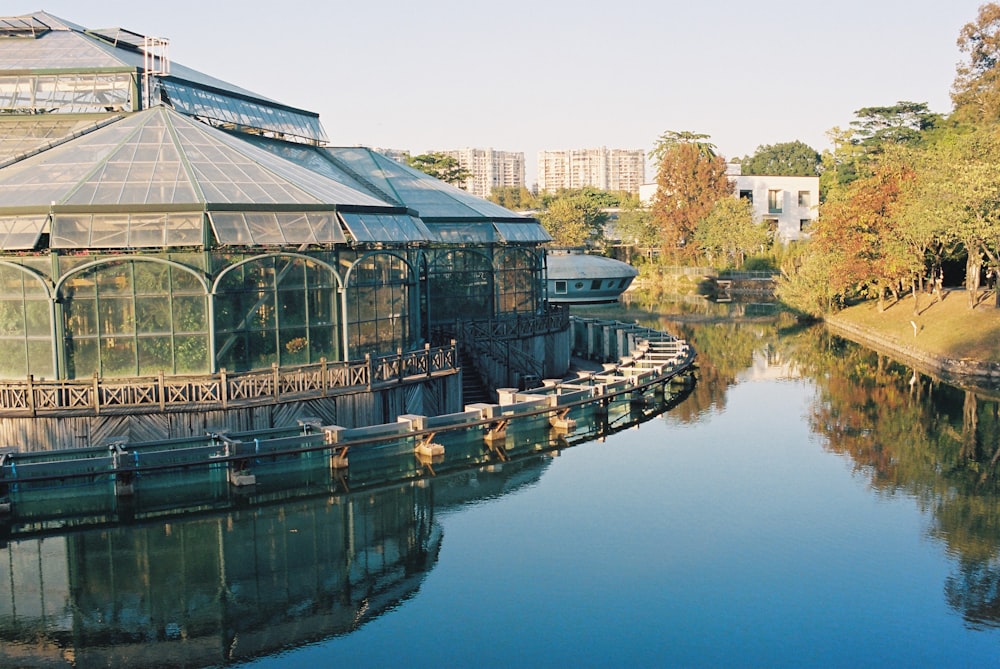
(906, 431)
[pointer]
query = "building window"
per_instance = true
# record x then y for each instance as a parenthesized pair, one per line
(276, 309)
(805, 224)
(746, 195)
(805, 198)
(774, 201)
(135, 318)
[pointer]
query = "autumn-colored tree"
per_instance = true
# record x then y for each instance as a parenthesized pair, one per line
(856, 236)
(690, 179)
(976, 89)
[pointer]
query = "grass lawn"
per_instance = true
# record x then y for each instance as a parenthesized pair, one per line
(948, 328)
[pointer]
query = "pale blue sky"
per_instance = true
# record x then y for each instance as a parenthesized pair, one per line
(528, 75)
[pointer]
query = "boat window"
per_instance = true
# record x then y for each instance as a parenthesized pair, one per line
(560, 287)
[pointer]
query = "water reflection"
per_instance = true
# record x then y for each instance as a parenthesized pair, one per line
(904, 429)
(198, 591)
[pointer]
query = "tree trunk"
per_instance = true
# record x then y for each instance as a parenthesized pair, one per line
(972, 266)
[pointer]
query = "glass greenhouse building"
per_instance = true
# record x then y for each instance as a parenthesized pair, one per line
(155, 220)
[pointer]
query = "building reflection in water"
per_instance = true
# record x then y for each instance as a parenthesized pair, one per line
(203, 589)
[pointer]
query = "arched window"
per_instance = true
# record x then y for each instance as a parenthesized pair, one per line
(276, 309)
(135, 317)
(518, 281)
(379, 305)
(460, 285)
(26, 344)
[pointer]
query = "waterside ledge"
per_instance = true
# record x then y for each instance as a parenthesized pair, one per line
(911, 352)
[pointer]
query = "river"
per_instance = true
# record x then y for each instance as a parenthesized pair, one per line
(809, 503)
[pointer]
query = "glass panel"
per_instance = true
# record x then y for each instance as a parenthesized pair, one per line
(109, 231)
(117, 315)
(323, 343)
(184, 230)
(81, 318)
(522, 232)
(230, 229)
(294, 346)
(37, 316)
(82, 357)
(221, 107)
(13, 358)
(70, 232)
(191, 354)
(155, 355)
(190, 313)
(264, 228)
(118, 356)
(152, 314)
(146, 231)
(40, 358)
(12, 318)
(21, 232)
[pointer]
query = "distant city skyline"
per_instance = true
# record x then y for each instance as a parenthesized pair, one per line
(557, 75)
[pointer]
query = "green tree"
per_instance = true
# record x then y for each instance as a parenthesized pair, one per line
(728, 234)
(574, 220)
(672, 138)
(958, 193)
(517, 198)
(440, 166)
(902, 123)
(690, 179)
(795, 159)
(976, 89)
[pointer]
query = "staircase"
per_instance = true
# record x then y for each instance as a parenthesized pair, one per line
(473, 390)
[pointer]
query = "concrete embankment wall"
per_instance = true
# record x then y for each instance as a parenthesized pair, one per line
(962, 368)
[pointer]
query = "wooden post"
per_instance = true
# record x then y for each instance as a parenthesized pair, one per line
(31, 393)
(275, 379)
(323, 375)
(163, 400)
(224, 387)
(97, 397)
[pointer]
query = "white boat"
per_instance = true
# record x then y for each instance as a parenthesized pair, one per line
(575, 277)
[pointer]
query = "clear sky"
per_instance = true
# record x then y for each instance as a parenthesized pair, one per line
(530, 75)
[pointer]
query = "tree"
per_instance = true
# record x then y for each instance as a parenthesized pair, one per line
(690, 179)
(902, 123)
(728, 234)
(958, 193)
(440, 166)
(517, 198)
(671, 138)
(976, 89)
(574, 220)
(793, 159)
(856, 234)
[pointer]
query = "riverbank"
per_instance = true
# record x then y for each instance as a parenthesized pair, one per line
(945, 337)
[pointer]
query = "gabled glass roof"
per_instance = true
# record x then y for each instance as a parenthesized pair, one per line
(27, 26)
(432, 198)
(69, 50)
(385, 228)
(159, 157)
(20, 135)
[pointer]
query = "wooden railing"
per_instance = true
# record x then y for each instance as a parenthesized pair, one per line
(222, 390)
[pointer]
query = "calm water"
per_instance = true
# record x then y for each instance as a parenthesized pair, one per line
(809, 504)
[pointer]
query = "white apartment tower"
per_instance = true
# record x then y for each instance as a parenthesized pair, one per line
(603, 168)
(490, 169)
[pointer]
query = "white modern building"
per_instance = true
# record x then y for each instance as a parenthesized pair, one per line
(489, 169)
(788, 204)
(603, 168)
